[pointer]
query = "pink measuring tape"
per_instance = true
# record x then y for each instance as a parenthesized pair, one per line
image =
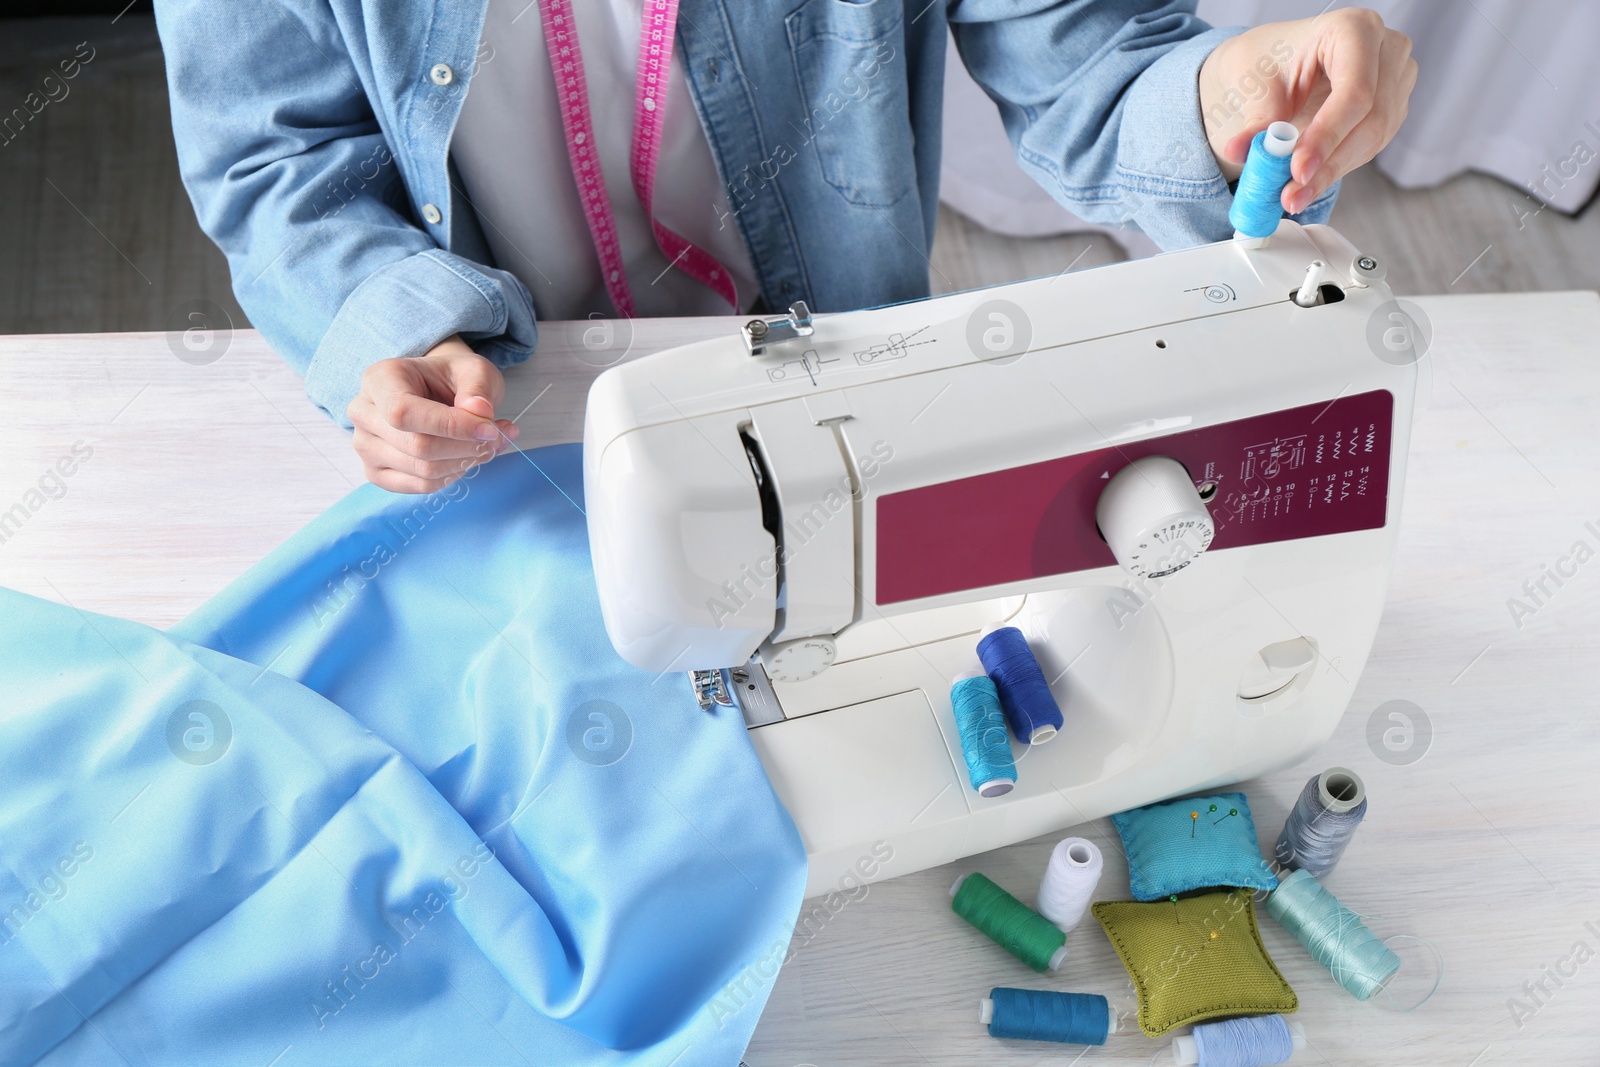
(655, 64)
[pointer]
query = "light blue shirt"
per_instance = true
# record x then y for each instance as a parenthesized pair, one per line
(313, 137)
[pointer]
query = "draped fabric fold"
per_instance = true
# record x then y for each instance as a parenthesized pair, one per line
(390, 797)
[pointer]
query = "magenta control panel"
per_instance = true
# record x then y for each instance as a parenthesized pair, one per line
(1279, 476)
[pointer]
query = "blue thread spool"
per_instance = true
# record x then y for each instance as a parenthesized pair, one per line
(1030, 707)
(1254, 1042)
(1258, 198)
(1322, 822)
(1333, 934)
(1044, 1015)
(984, 741)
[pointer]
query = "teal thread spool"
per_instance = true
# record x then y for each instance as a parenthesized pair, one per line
(1333, 934)
(1045, 1015)
(985, 744)
(1008, 922)
(1258, 197)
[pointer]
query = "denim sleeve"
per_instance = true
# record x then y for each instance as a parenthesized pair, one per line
(1101, 100)
(292, 176)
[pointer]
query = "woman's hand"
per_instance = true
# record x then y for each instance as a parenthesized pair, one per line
(1342, 78)
(421, 422)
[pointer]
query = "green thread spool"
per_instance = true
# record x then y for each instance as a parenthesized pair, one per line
(1009, 923)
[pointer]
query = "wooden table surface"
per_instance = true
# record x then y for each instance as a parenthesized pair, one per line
(1484, 838)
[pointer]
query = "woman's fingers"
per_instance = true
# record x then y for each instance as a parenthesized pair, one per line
(378, 454)
(396, 482)
(1342, 78)
(474, 382)
(1349, 54)
(400, 392)
(422, 422)
(1375, 129)
(364, 415)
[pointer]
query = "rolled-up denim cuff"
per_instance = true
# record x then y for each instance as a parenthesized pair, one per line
(1170, 179)
(408, 307)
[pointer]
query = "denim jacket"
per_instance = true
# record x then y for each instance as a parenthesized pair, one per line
(313, 138)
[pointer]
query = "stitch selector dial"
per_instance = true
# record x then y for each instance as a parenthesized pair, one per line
(795, 661)
(1153, 518)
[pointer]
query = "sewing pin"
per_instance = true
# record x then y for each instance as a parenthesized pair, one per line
(1231, 813)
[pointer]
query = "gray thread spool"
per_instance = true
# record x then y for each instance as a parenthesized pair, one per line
(1322, 822)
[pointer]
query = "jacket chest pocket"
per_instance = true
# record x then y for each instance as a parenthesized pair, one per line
(850, 66)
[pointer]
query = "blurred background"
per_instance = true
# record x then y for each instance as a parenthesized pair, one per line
(1489, 187)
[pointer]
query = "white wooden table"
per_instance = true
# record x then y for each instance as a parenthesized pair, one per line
(1488, 845)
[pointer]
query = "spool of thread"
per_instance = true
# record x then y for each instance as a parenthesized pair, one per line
(1333, 934)
(1044, 1015)
(1322, 822)
(1258, 198)
(1030, 707)
(1253, 1042)
(1008, 922)
(1069, 882)
(984, 741)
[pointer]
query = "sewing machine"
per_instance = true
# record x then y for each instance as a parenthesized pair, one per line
(819, 516)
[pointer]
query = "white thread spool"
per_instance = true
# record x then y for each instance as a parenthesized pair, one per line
(1069, 881)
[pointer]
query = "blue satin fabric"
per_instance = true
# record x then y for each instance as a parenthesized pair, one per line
(389, 798)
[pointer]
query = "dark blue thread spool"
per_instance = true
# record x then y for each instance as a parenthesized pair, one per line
(1025, 695)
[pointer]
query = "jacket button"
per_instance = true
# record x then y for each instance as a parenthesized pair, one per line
(431, 213)
(441, 74)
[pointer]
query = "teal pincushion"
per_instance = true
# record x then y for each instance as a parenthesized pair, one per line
(1195, 843)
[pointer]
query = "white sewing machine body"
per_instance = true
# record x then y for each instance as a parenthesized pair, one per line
(831, 523)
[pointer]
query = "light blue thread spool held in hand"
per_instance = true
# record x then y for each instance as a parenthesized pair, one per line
(1258, 198)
